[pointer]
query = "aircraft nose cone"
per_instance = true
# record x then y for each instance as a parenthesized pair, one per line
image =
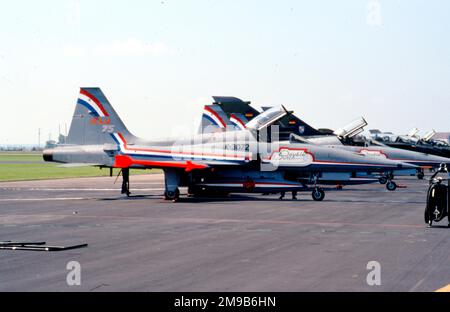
(439, 159)
(445, 160)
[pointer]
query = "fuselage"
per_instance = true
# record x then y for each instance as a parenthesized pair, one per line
(241, 148)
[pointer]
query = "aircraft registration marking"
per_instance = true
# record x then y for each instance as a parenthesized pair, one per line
(289, 156)
(100, 120)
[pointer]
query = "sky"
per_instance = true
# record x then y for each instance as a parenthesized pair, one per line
(159, 62)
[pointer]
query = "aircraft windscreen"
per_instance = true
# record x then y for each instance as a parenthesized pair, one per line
(427, 137)
(406, 139)
(352, 129)
(266, 118)
(442, 144)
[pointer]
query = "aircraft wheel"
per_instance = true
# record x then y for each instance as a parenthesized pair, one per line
(172, 195)
(318, 194)
(391, 186)
(427, 219)
(420, 175)
(382, 180)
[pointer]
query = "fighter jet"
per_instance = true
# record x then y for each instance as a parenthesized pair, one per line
(413, 142)
(294, 129)
(241, 161)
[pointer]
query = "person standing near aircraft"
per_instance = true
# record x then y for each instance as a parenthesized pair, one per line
(294, 195)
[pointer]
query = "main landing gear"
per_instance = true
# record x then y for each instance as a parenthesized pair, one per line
(172, 195)
(387, 179)
(172, 180)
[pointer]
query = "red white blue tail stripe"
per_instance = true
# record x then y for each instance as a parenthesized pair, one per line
(91, 103)
(213, 117)
(237, 122)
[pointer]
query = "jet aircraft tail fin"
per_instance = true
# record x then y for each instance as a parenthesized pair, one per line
(95, 121)
(293, 124)
(239, 120)
(226, 112)
(214, 119)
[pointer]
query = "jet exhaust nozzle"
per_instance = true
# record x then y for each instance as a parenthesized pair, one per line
(47, 155)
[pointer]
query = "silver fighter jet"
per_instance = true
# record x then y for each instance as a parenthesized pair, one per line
(245, 161)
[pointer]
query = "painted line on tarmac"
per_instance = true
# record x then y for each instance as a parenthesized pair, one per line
(283, 222)
(43, 199)
(241, 221)
(444, 289)
(219, 221)
(74, 189)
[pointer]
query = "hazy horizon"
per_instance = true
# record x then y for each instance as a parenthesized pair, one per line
(159, 62)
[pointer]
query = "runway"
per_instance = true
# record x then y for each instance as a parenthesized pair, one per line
(240, 243)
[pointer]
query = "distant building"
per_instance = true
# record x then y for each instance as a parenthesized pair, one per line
(19, 147)
(50, 144)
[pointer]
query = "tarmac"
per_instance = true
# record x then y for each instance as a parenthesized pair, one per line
(240, 243)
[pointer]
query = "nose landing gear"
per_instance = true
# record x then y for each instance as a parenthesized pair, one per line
(318, 194)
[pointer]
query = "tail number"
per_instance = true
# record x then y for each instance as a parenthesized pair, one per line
(108, 128)
(100, 121)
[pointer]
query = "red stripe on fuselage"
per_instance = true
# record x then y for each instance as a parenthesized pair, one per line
(170, 152)
(123, 161)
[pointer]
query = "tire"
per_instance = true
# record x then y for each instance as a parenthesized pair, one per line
(382, 180)
(420, 175)
(172, 195)
(318, 194)
(426, 218)
(391, 186)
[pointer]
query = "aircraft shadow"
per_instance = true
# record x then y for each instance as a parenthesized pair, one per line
(439, 227)
(184, 199)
